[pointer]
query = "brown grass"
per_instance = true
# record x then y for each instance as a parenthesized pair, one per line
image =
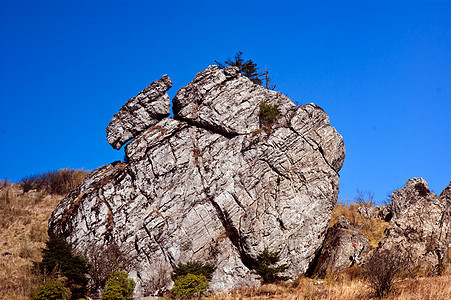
(344, 287)
(372, 228)
(23, 231)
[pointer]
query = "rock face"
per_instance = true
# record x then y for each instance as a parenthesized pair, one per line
(343, 246)
(211, 185)
(140, 112)
(421, 225)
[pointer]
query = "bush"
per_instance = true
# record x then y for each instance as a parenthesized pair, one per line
(58, 256)
(55, 182)
(382, 270)
(268, 112)
(52, 290)
(119, 287)
(105, 261)
(189, 286)
(263, 267)
(194, 267)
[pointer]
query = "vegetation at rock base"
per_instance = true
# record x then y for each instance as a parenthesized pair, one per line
(58, 256)
(119, 286)
(191, 279)
(52, 290)
(189, 286)
(194, 267)
(383, 269)
(266, 269)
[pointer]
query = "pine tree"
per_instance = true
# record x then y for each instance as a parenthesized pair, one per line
(58, 256)
(248, 68)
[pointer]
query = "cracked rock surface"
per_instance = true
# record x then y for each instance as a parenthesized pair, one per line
(420, 229)
(343, 246)
(140, 112)
(210, 184)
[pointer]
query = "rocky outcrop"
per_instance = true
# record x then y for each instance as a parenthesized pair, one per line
(140, 112)
(421, 226)
(343, 246)
(211, 184)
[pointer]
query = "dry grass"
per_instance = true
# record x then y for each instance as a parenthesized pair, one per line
(344, 287)
(23, 231)
(372, 228)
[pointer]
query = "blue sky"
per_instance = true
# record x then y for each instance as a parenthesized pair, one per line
(380, 69)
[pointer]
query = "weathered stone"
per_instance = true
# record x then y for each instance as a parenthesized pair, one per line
(421, 226)
(414, 190)
(343, 246)
(140, 112)
(212, 185)
(368, 212)
(225, 101)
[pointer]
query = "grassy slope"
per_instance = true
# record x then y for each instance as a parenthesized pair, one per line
(23, 231)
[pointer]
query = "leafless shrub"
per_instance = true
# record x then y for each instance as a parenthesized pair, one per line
(54, 182)
(383, 269)
(161, 280)
(104, 262)
(26, 250)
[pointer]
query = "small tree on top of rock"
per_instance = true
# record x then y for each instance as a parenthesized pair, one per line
(264, 267)
(247, 68)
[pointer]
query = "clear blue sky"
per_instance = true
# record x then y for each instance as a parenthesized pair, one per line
(380, 69)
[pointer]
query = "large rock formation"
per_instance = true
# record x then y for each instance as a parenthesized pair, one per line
(210, 184)
(420, 229)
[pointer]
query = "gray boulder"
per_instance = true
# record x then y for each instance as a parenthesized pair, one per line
(212, 185)
(343, 246)
(420, 229)
(140, 113)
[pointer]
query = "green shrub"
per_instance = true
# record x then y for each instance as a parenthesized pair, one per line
(264, 269)
(119, 287)
(189, 286)
(268, 112)
(52, 290)
(194, 267)
(58, 256)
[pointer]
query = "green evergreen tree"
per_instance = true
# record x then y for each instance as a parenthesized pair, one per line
(265, 269)
(58, 256)
(194, 267)
(247, 68)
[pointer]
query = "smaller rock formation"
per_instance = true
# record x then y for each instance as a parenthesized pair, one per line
(140, 112)
(415, 190)
(344, 245)
(421, 226)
